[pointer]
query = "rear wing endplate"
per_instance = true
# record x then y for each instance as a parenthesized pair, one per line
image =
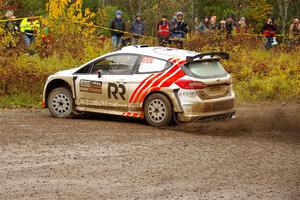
(219, 55)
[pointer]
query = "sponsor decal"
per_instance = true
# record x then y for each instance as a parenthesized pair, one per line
(90, 86)
(187, 93)
(115, 90)
(146, 59)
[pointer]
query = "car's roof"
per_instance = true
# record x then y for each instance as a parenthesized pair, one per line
(158, 52)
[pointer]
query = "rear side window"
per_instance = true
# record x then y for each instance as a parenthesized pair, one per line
(149, 64)
(205, 69)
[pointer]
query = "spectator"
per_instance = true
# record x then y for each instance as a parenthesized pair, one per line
(204, 25)
(222, 25)
(294, 33)
(174, 16)
(213, 23)
(29, 27)
(11, 25)
(242, 25)
(197, 22)
(179, 30)
(137, 28)
(269, 32)
(118, 26)
(178, 27)
(230, 25)
(163, 31)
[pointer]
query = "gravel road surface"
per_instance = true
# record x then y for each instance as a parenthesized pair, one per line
(255, 156)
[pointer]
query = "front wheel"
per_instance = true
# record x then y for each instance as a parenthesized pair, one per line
(60, 103)
(158, 110)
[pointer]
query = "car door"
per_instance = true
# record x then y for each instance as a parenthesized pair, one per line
(89, 86)
(116, 80)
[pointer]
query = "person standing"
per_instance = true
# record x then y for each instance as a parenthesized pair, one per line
(163, 31)
(242, 25)
(117, 26)
(11, 24)
(294, 33)
(230, 25)
(197, 23)
(222, 25)
(178, 30)
(204, 26)
(29, 27)
(137, 28)
(178, 27)
(213, 24)
(269, 32)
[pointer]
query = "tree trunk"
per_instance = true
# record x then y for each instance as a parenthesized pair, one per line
(283, 6)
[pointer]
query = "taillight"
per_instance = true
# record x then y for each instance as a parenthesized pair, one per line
(189, 84)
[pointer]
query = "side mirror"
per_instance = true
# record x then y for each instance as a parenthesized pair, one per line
(99, 72)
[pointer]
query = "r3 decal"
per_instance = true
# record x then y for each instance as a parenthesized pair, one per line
(116, 90)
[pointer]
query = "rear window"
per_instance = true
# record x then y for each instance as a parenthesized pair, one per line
(205, 69)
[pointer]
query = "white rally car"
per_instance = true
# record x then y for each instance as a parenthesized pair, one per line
(154, 83)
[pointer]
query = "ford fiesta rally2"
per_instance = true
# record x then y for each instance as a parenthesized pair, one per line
(157, 84)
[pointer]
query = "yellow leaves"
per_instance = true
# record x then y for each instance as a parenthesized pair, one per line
(56, 8)
(68, 13)
(87, 12)
(7, 38)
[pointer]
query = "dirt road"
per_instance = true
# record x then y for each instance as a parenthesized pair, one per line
(255, 156)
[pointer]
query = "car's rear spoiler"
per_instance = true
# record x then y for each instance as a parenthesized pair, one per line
(220, 55)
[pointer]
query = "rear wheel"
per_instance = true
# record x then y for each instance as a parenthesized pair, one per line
(158, 110)
(60, 102)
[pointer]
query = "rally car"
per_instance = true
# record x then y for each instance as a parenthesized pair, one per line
(157, 84)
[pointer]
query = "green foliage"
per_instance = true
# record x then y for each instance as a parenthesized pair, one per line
(266, 75)
(23, 100)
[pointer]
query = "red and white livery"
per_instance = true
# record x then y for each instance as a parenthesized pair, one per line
(154, 83)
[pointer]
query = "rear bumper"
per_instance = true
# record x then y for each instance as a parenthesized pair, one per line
(197, 111)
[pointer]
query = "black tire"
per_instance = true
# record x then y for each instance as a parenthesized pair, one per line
(60, 103)
(158, 110)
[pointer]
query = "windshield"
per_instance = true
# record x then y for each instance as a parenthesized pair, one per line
(205, 69)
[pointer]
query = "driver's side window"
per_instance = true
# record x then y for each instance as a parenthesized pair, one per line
(116, 65)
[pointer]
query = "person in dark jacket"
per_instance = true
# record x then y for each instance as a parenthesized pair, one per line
(137, 28)
(269, 32)
(204, 26)
(118, 26)
(178, 31)
(230, 25)
(178, 27)
(163, 31)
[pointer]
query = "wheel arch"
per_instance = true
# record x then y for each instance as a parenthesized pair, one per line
(56, 83)
(157, 92)
(172, 96)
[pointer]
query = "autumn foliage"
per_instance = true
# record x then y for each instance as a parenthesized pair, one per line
(73, 40)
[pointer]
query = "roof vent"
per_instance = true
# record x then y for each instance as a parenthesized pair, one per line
(141, 46)
(134, 47)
